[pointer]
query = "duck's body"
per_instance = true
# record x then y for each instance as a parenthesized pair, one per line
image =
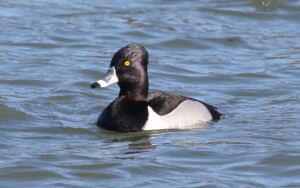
(135, 109)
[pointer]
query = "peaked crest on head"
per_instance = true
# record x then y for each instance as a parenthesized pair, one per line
(133, 52)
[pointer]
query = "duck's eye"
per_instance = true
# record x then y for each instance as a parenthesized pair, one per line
(126, 63)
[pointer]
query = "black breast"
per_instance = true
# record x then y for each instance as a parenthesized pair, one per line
(125, 115)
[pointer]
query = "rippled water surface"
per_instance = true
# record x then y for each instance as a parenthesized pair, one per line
(241, 56)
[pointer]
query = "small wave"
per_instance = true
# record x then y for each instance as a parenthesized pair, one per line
(13, 114)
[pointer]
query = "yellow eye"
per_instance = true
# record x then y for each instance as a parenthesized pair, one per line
(126, 63)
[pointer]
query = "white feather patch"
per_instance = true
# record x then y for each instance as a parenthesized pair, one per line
(186, 114)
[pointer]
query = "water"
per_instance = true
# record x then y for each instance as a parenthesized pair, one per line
(241, 56)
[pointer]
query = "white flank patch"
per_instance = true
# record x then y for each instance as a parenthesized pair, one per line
(186, 114)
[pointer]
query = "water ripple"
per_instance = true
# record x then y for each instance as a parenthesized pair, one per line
(242, 57)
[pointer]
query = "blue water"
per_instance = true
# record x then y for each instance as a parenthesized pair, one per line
(240, 56)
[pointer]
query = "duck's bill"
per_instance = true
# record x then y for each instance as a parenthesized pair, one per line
(109, 78)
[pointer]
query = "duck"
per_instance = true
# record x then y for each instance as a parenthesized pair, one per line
(135, 109)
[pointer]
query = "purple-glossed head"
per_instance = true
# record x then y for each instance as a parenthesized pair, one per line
(128, 68)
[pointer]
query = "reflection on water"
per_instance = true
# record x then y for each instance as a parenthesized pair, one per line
(242, 57)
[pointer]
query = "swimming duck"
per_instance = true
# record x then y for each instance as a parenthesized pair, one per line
(135, 109)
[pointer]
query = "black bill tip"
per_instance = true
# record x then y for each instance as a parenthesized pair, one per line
(94, 85)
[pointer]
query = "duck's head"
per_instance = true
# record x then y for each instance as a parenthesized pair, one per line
(128, 68)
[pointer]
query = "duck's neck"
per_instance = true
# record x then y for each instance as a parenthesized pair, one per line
(136, 91)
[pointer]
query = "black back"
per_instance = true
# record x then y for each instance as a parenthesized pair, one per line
(163, 103)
